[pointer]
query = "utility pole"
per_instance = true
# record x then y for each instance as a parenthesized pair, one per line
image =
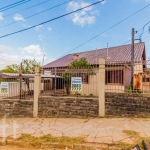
(132, 60)
(20, 75)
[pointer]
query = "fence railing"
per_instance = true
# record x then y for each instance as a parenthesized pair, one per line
(79, 81)
(74, 81)
(119, 78)
(14, 86)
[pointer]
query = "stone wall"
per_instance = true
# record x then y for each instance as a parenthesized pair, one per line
(68, 107)
(116, 105)
(127, 104)
(16, 108)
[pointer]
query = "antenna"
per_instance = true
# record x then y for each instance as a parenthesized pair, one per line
(96, 57)
(43, 60)
(107, 50)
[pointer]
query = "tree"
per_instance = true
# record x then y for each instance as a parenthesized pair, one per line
(81, 63)
(28, 66)
(9, 69)
(78, 67)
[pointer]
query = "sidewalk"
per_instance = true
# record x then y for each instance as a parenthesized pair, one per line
(98, 130)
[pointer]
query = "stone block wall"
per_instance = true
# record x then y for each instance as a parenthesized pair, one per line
(116, 105)
(127, 104)
(68, 107)
(16, 108)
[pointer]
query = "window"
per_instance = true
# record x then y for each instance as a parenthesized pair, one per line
(85, 79)
(114, 76)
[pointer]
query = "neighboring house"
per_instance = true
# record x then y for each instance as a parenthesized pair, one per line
(13, 80)
(118, 66)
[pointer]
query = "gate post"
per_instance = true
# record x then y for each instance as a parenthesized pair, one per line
(37, 89)
(101, 87)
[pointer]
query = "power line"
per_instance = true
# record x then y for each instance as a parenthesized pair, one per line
(37, 13)
(13, 5)
(140, 34)
(26, 9)
(146, 37)
(52, 19)
(135, 37)
(107, 29)
(143, 29)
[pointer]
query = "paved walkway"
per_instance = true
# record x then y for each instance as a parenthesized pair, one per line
(94, 130)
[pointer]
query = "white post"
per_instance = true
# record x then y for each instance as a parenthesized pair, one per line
(37, 89)
(102, 87)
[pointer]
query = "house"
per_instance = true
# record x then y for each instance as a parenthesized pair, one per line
(27, 84)
(118, 66)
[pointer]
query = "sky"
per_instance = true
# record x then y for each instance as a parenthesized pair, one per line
(60, 37)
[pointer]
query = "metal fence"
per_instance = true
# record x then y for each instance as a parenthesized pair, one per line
(71, 81)
(119, 78)
(79, 81)
(14, 86)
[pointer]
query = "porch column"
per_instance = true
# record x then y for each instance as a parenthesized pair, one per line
(37, 88)
(102, 87)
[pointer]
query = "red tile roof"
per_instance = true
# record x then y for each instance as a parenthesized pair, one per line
(119, 53)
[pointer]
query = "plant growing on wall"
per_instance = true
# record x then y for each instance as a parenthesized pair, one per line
(129, 89)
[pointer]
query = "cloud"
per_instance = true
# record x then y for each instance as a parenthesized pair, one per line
(33, 52)
(103, 2)
(33, 49)
(86, 16)
(49, 29)
(1, 16)
(41, 37)
(37, 28)
(7, 59)
(4, 48)
(25, 25)
(18, 17)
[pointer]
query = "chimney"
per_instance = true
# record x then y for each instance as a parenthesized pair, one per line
(75, 56)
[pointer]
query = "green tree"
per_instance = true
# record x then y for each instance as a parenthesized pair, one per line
(76, 68)
(9, 69)
(28, 66)
(79, 64)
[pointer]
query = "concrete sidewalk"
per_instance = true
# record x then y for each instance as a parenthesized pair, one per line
(98, 130)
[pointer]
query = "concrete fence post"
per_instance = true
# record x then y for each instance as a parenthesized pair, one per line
(101, 87)
(37, 89)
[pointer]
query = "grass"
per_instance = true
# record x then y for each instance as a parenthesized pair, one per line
(134, 135)
(86, 120)
(48, 141)
(145, 139)
(130, 133)
(29, 141)
(125, 146)
(84, 117)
